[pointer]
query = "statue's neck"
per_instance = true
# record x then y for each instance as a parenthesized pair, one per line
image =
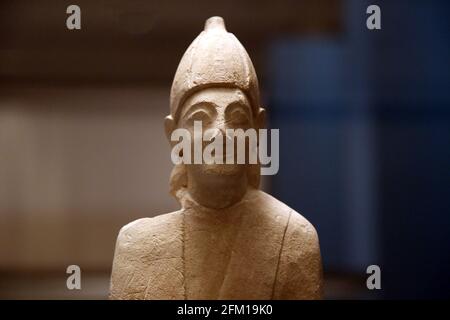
(217, 192)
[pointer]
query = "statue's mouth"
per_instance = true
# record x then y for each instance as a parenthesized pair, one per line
(228, 157)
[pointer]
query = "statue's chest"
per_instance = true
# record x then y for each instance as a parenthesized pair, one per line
(232, 258)
(199, 257)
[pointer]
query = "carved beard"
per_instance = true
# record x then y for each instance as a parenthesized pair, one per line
(178, 179)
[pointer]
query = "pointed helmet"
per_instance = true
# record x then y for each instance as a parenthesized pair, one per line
(215, 58)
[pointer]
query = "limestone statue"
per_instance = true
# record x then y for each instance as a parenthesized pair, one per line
(229, 240)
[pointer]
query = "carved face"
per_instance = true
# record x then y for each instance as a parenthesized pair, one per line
(218, 109)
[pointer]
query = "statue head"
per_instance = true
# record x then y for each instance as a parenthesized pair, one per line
(215, 83)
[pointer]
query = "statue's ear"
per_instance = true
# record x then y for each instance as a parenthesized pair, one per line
(261, 118)
(169, 126)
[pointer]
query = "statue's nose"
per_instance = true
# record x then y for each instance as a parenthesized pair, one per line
(219, 131)
(213, 133)
(221, 126)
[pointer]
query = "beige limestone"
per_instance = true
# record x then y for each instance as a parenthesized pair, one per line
(229, 240)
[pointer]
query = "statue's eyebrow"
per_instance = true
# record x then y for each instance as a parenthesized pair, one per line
(210, 108)
(239, 103)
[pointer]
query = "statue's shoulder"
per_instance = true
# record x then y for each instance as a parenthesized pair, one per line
(300, 272)
(297, 224)
(302, 237)
(143, 233)
(148, 250)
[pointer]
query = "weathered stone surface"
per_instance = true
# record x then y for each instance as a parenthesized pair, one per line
(230, 240)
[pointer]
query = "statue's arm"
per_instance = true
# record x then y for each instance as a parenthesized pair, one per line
(300, 267)
(119, 269)
(148, 260)
(126, 269)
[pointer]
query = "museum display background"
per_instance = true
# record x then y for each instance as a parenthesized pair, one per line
(81, 113)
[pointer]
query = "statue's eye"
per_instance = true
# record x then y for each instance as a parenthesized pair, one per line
(199, 115)
(239, 117)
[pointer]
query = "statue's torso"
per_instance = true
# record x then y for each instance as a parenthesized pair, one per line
(257, 249)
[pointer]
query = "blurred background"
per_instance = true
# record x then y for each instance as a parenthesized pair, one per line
(364, 119)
